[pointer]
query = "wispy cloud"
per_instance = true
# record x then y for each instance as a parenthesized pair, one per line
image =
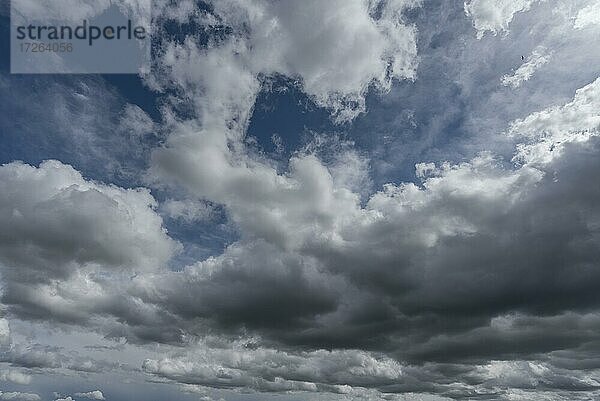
(534, 62)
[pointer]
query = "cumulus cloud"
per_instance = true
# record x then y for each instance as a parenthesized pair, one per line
(107, 225)
(274, 371)
(48, 358)
(188, 210)
(307, 42)
(477, 280)
(18, 396)
(535, 61)
(15, 376)
(64, 237)
(588, 15)
(92, 395)
(495, 15)
(434, 268)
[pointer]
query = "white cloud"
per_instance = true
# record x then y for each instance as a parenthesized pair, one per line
(262, 202)
(310, 255)
(319, 236)
(4, 332)
(92, 395)
(15, 376)
(18, 396)
(270, 370)
(64, 239)
(545, 133)
(315, 264)
(588, 15)
(534, 62)
(187, 210)
(75, 11)
(495, 15)
(306, 41)
(90, 223)
(135, 122)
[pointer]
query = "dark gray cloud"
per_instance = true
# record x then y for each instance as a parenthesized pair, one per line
(68, 245)
(481, 263)
(535, 256)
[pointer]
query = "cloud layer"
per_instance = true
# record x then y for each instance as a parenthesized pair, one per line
(475, 279)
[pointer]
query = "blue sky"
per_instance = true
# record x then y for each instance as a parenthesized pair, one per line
(343, 200)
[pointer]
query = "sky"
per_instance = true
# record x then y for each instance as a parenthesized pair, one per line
(342, 200)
